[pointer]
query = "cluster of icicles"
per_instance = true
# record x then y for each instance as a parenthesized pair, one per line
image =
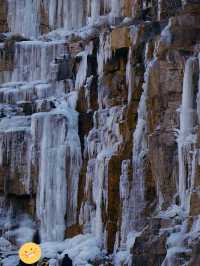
(25, 17)
(187, 137)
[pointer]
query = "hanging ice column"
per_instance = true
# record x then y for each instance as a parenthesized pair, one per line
(54, 9)
(32, 61)
(129, 74)
(198, 95)
(186, 138)
(23, 17)
(115, 8)
(104, 53)
(95, 10)
(26, 17)
(82, 70)
(127, 231)
(74, 14)
(139, 152)
(59, 166)
(186, 117)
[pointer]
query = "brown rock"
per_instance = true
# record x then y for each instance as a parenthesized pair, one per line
(195, 204)
(150, 248)
(75, 47)
(195, 256)
(120, 38)
(127, 8)
(165, 86)
(182, 33)
(3, 16)
(112, 89)
(15, 165)
(168, 8)
(114, 170)
(44, 22)
(73, 231)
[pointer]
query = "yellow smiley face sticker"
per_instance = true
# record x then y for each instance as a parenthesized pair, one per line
(30, 253)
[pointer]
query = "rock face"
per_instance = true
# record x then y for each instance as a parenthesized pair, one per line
(3, 16)
(99, 129)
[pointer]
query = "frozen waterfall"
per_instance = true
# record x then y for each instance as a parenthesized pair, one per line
(27, 17)
(186, 138)
(139, 152)
(116, 8)
(60, 163)
(32, 61)
(105, 51)
(198, 94)
(23, 17)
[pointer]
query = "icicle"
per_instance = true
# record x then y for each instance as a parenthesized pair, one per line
(55, 9)
(95, 10)
(198, 95)
(100, 168)
(74, 14)
(33, 61)
(68, 14)
(159, 9)
(139, 153)
(127, 233)
(60, 157)
(51, 199)
(23, 17)
(115, 8)
(96, 178)
(82, 71)
(129, 75)
(186, 117)
(186, 139)
(105, 51)
(103, 140)
(175, 245)
(126, 199)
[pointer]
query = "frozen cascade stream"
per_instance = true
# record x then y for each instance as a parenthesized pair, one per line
(59, 154)
(129, 74)
(128, 231)
(139, 152)
(132, 187)
(101, 145)
(32, 61)
(187, 138)
(26, 17)
(105, 51)
(198, 94)
(23, 17)
(74, 14)
(95, 10)
(187, 160)
(82, 71)
(116, 8)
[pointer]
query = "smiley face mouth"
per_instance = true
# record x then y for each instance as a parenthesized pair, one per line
(29, 254)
